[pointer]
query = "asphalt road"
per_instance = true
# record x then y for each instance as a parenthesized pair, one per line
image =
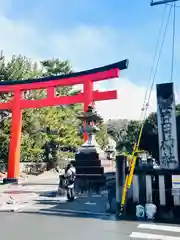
(49, 218)
(20, 226)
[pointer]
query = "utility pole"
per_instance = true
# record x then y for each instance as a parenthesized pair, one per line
(1, 55)
(1, 63)
(155, 2)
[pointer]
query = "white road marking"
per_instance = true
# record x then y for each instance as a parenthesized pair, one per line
(90, 203)
(160, 227)
(152, 236)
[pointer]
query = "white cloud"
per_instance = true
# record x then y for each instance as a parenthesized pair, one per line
(90, 46)
(129, 103)
(16, 37)
(87, 47)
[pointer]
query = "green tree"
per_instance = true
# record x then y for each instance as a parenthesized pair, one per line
(102, 135)
(149, 140)
(33, 139)
(55, 67)
(61, 120)
(126, 136)
(17, 68)
(129, 137)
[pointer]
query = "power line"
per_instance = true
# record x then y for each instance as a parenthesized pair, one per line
(129, 176)
(157, 63)
(152, 3)
(153, 62)
(169, 4)
(160, 51)
(173, 41)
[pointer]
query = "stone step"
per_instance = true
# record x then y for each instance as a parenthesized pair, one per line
(92, 162)
(87, 156)
(89, 170)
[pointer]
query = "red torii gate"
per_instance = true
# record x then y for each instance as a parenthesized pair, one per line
(17, 103)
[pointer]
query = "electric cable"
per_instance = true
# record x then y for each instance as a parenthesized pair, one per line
(160, 51)
(129, 176)
(153, 61)
(173, 41)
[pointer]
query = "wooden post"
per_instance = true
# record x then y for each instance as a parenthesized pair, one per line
(120, 180)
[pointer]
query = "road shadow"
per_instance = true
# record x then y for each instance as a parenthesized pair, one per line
(90, 204)
(88, 207)
(82, 207)
(51, 212)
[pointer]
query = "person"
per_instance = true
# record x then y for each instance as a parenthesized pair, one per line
(111, 187)
(70, 176)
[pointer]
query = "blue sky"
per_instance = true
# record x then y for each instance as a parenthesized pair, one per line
(90, 33)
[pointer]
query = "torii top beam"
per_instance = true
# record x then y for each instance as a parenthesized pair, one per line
(50, 83)
(95, 74)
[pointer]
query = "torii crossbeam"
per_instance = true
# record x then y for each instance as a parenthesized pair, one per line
(17, 102)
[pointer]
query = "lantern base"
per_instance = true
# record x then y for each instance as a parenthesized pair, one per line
(91, 146)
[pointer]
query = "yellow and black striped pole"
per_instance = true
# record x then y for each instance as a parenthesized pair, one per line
(129, 176)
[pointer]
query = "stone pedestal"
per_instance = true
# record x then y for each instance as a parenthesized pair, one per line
(89, 169)
(90, 158)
